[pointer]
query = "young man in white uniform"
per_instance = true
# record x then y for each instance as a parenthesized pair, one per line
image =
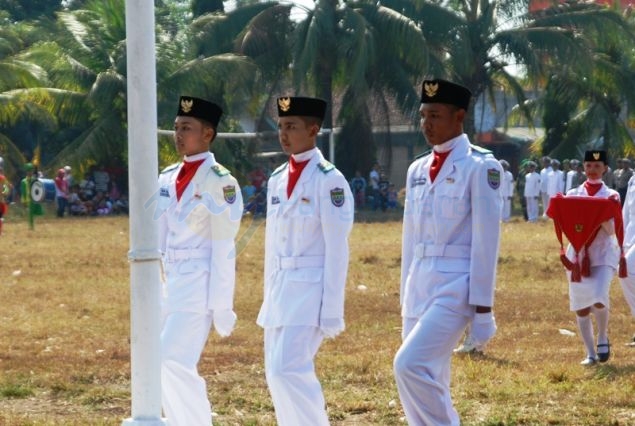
(532, 192)
(200, 206)
(450, 247)
(628, 213)
(507, 191)
(310, 211)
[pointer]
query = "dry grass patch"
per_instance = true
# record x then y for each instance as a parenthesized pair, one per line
(64, 350)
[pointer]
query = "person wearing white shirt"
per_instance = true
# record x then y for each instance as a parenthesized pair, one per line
(544, 183)
(507, 191)
(450, 242)
(532, 191)
(310, 211)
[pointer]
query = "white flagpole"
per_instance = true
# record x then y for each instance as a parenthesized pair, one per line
(144, 256)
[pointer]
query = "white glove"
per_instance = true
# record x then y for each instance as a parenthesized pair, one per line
(224, 321)
(483, 328)
(331, 327)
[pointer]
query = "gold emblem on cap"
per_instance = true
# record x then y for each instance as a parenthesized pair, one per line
(284, 104)
(596, 156)
(431, 89)
(186, 106)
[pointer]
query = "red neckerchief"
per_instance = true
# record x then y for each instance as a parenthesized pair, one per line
(295, 169)
(437, 163)
(592, 188)
(187, 172)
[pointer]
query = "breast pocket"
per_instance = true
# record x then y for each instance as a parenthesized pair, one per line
(451, 199)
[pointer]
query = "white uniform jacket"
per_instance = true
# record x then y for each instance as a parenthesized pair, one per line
(532, 185)
(196, 236)
(604, 250)
(628, 213)
(451, 232)
(507, 189)
(306, 246)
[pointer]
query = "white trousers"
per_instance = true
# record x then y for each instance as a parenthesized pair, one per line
(183, 391)
(506, 209)
(545, 202)
(628, 283)
(422, 366)
(532, 209)
(290, 371)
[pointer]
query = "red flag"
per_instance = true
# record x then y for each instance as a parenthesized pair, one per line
(580, 218)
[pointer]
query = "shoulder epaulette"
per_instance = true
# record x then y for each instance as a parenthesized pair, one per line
(423, 154)
(325, 166)
(480, 149)
(220, 170)
(280, 168)
(170, 167)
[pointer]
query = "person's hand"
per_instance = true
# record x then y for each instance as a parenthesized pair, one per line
(224, 321)
(483, 328)
(331, 327)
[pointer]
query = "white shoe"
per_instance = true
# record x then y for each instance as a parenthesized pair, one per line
(588, 361)
(468, 347)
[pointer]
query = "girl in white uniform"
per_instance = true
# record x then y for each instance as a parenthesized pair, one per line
(591, 295)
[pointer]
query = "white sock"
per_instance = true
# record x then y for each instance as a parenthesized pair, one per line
(585, 325)
(602, 320)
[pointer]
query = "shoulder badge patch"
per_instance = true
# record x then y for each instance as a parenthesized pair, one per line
(220, 170)
(280, 168)
(170, 168)
(493, 178)
(229, 193)
(326, 167)
(337, 197)
(480, 149)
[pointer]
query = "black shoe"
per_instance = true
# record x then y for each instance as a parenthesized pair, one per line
(603, 357)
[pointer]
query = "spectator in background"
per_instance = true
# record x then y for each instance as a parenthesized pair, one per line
(579, 177)
(520, 186)
(75, 204)
(373, 181)
(570, 179)
(507, 191)
(608, 177)
(384, 183)
(392, 196)
(61, 192)
(623, 177)
(87, 187)
(556, 180)
(532, 192)
(358, 186)
(258, 177)
(566, 168)
(102, 180)
(544, 183)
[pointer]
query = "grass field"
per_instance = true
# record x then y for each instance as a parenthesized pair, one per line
(64, 327)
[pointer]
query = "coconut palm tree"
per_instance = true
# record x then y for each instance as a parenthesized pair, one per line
(490, 45)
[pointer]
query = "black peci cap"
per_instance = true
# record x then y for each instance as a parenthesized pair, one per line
(439, 91)
(199, 108)
(595, 155)
(308, 107)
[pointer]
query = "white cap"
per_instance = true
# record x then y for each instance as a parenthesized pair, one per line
(67, 168)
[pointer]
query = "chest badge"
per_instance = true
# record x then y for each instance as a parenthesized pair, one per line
(337, 197)
(493, 178)
(275, 200)
(229, 193)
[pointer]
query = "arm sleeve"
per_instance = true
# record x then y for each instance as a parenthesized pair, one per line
(407, 238)
(225, 216)
(337, 222)
(486, 216)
